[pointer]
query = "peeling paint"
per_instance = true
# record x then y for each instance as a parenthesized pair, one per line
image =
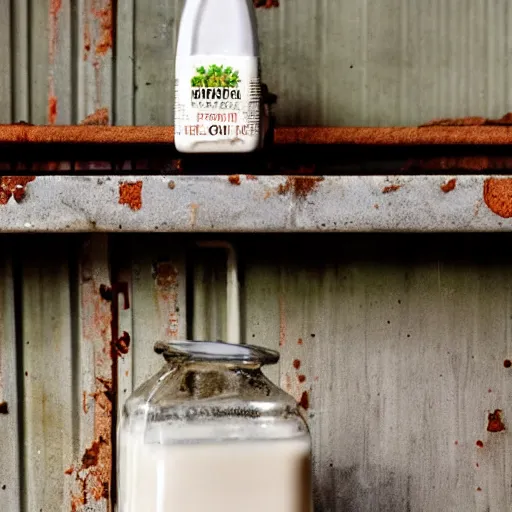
(449, 185)
(498, 196)
(13, 186)
(301, 186)
(130, 193)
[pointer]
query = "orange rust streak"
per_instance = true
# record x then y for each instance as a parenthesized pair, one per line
(105, 42)
(391, 188)
(488, 135)
(52, 109)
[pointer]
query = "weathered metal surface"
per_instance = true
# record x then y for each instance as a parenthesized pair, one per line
(262, 204)
(330, 62)
(158, 297)
(49, 402)
(90, 471)
(396, 345)
(9, 418)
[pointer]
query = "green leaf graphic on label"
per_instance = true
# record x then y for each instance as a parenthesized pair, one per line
(215, 76)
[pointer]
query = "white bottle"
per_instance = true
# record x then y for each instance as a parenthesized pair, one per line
(218, 93)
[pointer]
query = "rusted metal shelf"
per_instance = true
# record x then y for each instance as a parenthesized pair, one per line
(241, 203)
(392, 136)
(111, 179)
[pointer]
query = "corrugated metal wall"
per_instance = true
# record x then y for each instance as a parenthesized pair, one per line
(334, 62)
(401, 339)
(396, 344)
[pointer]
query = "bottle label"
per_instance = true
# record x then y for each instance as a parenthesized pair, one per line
(217, 98)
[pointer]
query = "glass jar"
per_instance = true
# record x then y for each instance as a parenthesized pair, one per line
(211, 433)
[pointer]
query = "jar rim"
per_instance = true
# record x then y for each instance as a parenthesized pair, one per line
(216, 351)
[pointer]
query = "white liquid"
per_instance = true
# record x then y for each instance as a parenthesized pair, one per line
(232, 476)
(221, 34)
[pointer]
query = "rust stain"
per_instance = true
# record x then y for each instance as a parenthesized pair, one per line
(90, 457)
(301, 186)
(304, 400)
(498, 196)
(105, 17)
(167, 286)
(4, 408)
(194, 207)
(98, 118)
(234, 179)
(287, 383)
(296, 363)
(495, 422)
(480, 444)
(449, 185)
(55, 7)
(92, 477)
(282, 322)
(87, 40)
(166, 274)
(130, 193)
(478, 489)
(301, 378)
(251, 177)
(391, 188)
(85, 407)
(507, 363)
(300, 342)
(13, 186)
(52, 109)
(172, 185)
(266, 4)
(123, 344)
